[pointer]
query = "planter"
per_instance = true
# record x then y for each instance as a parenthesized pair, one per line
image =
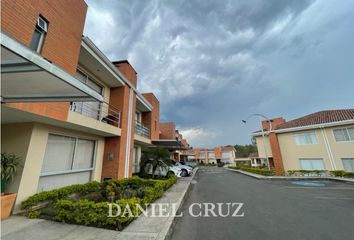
(7, 202)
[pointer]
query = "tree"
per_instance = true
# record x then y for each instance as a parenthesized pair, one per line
(156, 156)
(245, 150)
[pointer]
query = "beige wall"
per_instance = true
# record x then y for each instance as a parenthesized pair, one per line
(340, 149)
(260, 147)
(291, 153)
(29, 142)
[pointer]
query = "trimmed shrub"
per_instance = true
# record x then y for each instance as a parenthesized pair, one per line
(341, 173)
(261, 171)
(88, 204)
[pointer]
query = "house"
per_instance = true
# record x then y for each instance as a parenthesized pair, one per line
(319, 141)
(170, 138)
(226, 154)
(68, 112)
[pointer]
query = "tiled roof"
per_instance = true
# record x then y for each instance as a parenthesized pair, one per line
(321, 117)
(253, 155)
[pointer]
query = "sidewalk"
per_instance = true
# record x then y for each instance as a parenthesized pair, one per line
(143, 228)
(261, 177)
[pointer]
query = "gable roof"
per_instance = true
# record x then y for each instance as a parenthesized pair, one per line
(327, 116)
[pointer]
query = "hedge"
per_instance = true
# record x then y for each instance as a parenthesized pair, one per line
(341, 173)
(306, 172)
(88, 204)
(261, 171)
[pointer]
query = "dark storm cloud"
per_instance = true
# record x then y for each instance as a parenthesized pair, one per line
(212, 63)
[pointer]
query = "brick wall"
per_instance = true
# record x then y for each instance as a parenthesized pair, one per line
(167, 130)
(61, 45)
(275, 122)
(277, 158)
(152, 119)
(127, 70)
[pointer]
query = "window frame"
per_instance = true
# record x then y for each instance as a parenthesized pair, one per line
(342, 128)
(42, 31)
(346, 159)
(94, 157)
(309, 159)
(304, 134)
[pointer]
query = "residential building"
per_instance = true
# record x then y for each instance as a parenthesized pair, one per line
(68, 112)
(227, 154)
(170, 138)
(319, 141)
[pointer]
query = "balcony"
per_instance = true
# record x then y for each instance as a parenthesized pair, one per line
(141, 130)
(100, 111)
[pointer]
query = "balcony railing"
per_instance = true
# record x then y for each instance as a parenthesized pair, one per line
(100, 111)
(141, 130)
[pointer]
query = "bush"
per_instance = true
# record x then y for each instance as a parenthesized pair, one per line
(261, 171)
(88, 204)
(341, 173)
(54, 195)
(89, 213)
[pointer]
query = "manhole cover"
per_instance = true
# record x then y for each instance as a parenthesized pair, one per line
(308, 184)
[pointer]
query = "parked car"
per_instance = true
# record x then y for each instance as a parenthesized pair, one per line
(163, 169)
(185, 169)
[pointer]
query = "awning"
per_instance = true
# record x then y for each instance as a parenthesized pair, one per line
(28, 77)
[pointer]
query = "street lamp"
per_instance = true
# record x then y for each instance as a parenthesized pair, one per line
(263, 134)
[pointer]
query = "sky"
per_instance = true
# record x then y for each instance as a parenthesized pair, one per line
(213, 63)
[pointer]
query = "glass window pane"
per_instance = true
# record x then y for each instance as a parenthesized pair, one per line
(341, 135)
(56, 181)
(211, 155)
(58, 154)
(84, 154)
(226, 155)
(81, 76)
(94, 86)
(348, 164)
(36, 39)
(312, 164)
(351, 133)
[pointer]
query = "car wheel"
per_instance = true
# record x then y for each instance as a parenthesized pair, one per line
(184, 173)
(170, 174)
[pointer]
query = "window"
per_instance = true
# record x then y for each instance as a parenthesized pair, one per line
(202, 155)
(67, 160)
(225, 155)
(39, 34)
(348, 164)
(89, 109)
(138, 116)
(305, 138)
(312, 164)
(211, 155)
(344, 134)
(135, 160)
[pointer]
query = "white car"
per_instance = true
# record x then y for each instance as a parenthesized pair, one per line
(164, 170)
(185, 169)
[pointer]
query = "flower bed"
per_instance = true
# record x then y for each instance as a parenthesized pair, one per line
(88, 204)
(261, 171)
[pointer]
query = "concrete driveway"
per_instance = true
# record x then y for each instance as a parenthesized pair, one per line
(273, 209)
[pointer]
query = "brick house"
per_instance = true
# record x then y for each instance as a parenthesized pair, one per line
(68, 112)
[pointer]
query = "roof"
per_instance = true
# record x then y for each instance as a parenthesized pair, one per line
(327, 116)
(253, 155)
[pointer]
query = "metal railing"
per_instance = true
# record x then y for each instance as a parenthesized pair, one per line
(100, 111)
(141, 130)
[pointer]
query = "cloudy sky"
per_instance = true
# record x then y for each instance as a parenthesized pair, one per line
(213, 63)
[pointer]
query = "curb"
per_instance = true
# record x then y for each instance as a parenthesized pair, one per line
(174, 220)
(260, 177)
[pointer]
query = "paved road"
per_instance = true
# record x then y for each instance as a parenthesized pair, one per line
(273, 209)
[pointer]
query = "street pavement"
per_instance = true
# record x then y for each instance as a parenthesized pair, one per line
(272, 209)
